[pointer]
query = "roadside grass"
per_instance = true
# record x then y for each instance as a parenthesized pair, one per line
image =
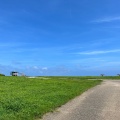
(101, 77)
(82, 77)
(24, 98)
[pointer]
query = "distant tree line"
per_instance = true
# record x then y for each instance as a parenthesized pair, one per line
(104, 74)
(2, 74)
(118, 74)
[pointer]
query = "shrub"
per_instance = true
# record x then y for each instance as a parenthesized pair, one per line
(2, 74)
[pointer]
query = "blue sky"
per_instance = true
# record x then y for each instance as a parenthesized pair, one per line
(60, 37)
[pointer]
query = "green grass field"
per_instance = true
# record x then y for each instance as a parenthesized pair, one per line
(29, 98)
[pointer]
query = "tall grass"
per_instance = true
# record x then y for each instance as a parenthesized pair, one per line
(27, 98)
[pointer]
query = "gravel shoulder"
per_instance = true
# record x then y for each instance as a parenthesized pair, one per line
(99, 103)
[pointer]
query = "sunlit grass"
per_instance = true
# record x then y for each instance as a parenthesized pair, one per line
(27, 98)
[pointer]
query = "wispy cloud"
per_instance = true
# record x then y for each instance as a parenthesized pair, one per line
(99, 52)
(106, 19)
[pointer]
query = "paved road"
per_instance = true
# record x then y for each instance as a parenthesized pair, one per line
(99, 103)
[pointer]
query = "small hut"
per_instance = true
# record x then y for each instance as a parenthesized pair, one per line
(13, 73)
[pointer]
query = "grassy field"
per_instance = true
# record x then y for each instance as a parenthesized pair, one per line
(29, 98)
(101, 77)
(84, 77)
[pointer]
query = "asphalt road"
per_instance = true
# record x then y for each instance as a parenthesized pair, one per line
(99, 103)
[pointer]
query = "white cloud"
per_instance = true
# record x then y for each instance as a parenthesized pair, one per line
(107, 19)
(35, 67)
(44, 68)
(99, 52)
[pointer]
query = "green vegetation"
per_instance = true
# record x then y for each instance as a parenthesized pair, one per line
(24, 98)
(83, 77)
(2, 74)
(101, 77)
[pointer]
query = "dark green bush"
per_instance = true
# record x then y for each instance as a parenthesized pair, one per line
(2, 75)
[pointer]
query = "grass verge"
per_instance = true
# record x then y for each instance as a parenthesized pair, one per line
(29, 98)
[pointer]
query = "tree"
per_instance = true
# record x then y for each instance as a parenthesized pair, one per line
(2, 74)
(118, 74)
(102, 74)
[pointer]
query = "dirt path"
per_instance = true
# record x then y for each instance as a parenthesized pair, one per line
(99, 103)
